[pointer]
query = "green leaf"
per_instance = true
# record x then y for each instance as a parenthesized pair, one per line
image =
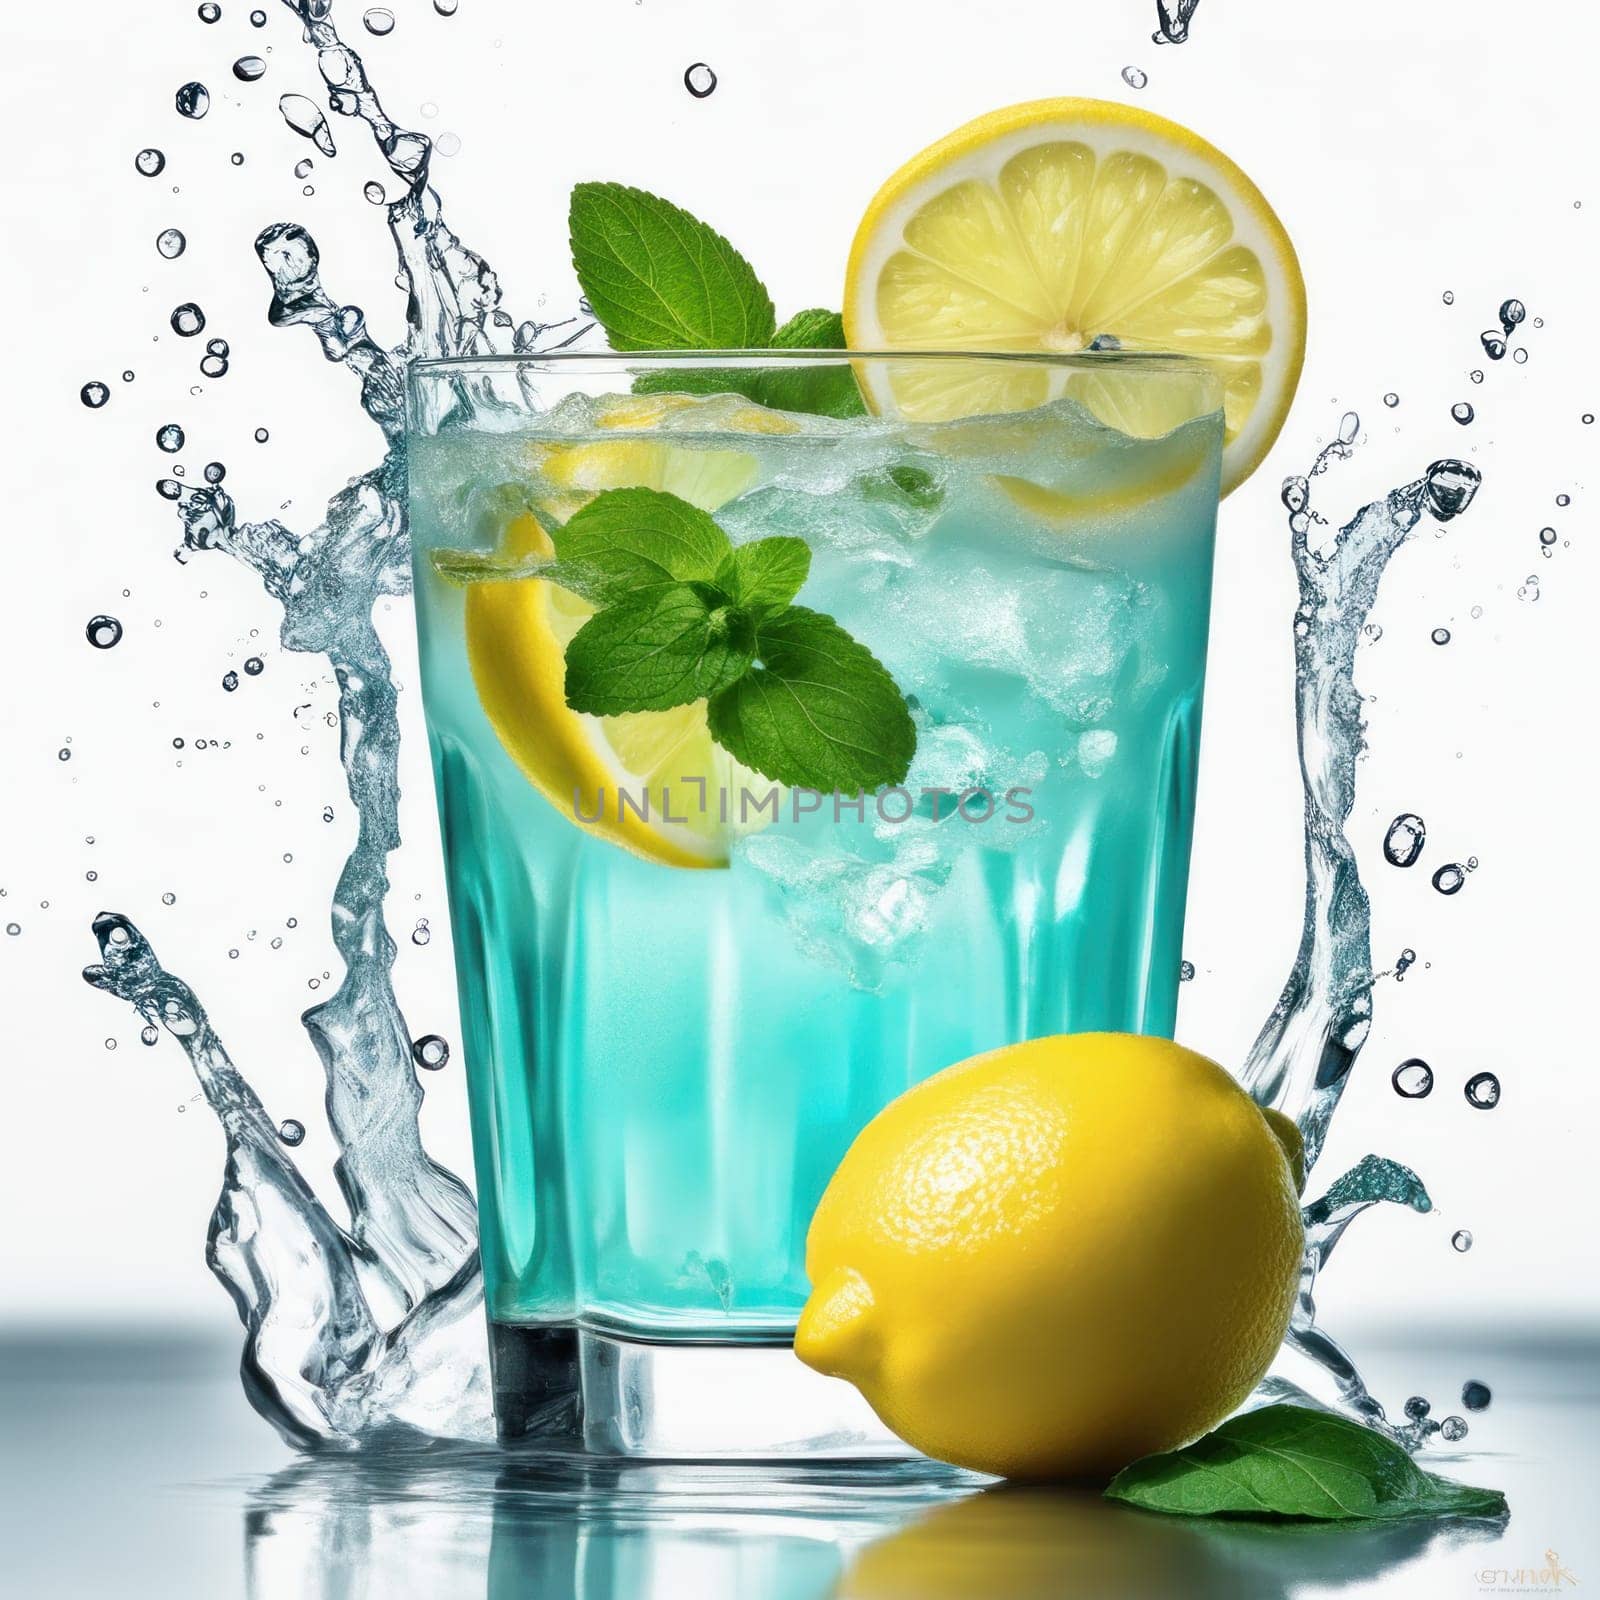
(633, 539)
(656, 650)
(815, 329)
(767, 574)
(1291, 1461)
(816, 709)
(660, 279)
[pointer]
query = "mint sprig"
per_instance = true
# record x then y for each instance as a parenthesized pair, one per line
(658, 278)
(1292, 1461)
(685, 615)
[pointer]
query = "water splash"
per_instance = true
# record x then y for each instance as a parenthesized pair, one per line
(1172, 20)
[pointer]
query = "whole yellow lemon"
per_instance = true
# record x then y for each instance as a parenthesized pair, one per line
(1055, 1258)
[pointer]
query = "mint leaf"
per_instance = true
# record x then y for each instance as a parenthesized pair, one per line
(660, 279)
(633, 539)
(766, 574)
(815, 329)
(816, 709)
(1291, 1461)
(656, 650)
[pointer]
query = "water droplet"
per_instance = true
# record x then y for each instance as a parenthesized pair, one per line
(1135, 77)
(1563, 499)
(13, 928)
(1413, 1079)
(699, 80)
(1462, 412)
(170, 243)
(210, 12)
(1449, 297)
(187, 320)
(1476, 375)
(169, 898)
(302, 168)
(430, 1052)
(1186, 972)
(1475, 1396)
(1482, 1090)
(169, 489)
(1453, 1429)
(148, 163)
(1451, 486)
(127, 377)
(169, 437)
(1493, 345)
(1449, 878)
(291, 1132)
(192, 100)
(149, 1033)
(1440, 636)
(247, 69)
(1519, 355)
(111, 1044)
(1403, 842)
(1391, 399)
(1511, 313)
(63, 754)
(254, 666)
(1587, 419)
(262, 436)
(1349, 427)
(374, 193)
(1461, 1240)
(217, 347)
(1547, 536)
(448, 144)
(215, 472)
(94, 395)
(305, 117)
(378, 21)
(103, 632)
(445, 8)
(237, 158)
(421, 934)
(1417, 1407)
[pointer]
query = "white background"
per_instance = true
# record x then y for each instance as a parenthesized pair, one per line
(1410, 149)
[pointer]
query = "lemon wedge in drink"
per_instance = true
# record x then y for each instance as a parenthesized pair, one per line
(1066, 225)
(517, 635)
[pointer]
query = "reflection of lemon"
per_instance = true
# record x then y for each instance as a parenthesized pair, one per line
(1045, 226)
(517, 636)
(1058, 1257)
(1027, 1542)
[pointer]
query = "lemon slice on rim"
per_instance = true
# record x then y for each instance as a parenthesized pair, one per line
(1051, 225)
(517, 635)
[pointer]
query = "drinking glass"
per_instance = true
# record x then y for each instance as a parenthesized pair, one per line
(687, 978)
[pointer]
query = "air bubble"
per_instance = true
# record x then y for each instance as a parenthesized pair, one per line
(13, 928)
(421, 934)
(291, 1132)
(1391, 399)
(1440, 636)
(63, 754)
(1547, 536)
(1135, 77)
(247, 69)
(237, 158)
(1511, 313)
(149, 163)
(1448, 297)
(214, 366)
(193, 100)
(1412, 1079)
(1461, 1240)
(210, 12)
(1462, 412)
(187, 320)
(149, 1034)
(169, 437)
(378, 21)
(1563, 499)
(94, 395)
(169, 898)
(1475, 1396)
(1453, 1429)
(1482, 1090)
(448, 144)
(262, 436)
(170, 243)
(216, 347)
(1403, 842)
(1186, 972)
(215, 472)
(1519, 355)
(374, 193)
(103, 632)
(1449, 878)
(1587, 419)
(430, 1052)
(1528, 589)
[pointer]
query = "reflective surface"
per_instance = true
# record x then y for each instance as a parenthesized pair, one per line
(143, 1473)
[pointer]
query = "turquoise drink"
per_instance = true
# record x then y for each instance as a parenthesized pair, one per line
(685, 986)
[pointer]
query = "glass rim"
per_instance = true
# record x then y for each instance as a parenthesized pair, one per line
(1151, 361)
